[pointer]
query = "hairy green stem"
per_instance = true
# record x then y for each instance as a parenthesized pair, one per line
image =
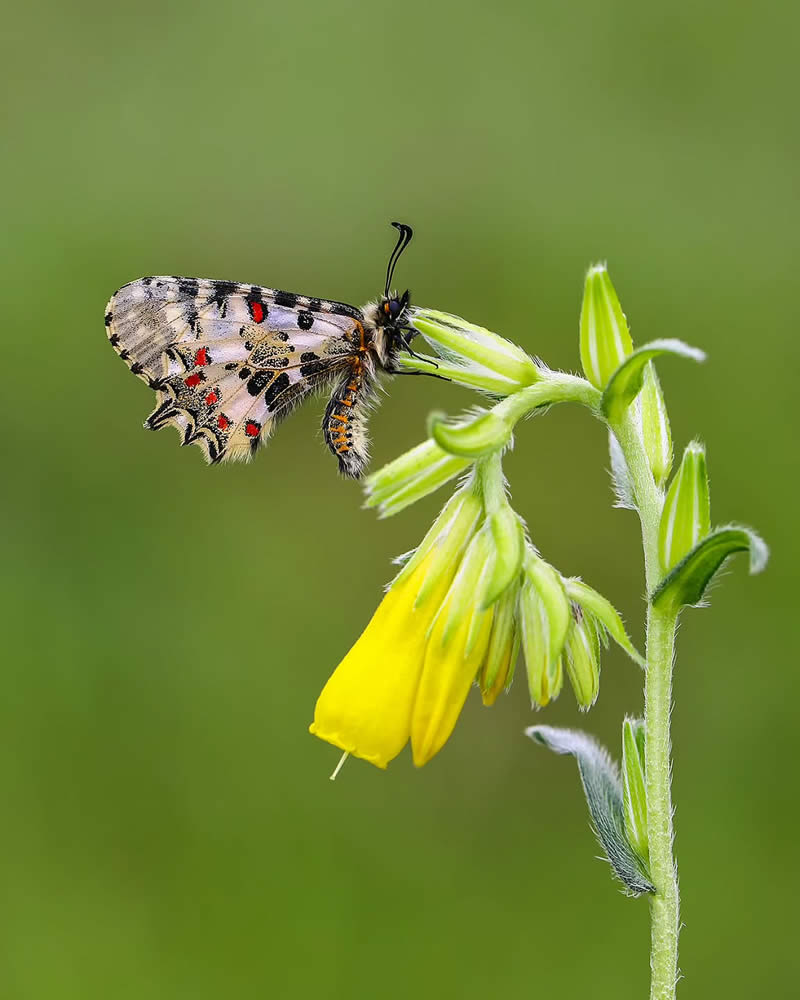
(664, 904)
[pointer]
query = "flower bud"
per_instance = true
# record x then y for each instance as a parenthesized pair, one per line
(474, 438)
(544, 619)
(411, 477)
(655, 426)
(605, 339)
(686, 518)
(497, 670)
(583, 658)
(634, 789)
(545, 676)
(475, 356)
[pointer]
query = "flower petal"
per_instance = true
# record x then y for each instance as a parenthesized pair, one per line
(447, 675)
(365, 708)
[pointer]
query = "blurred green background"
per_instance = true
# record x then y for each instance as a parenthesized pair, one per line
(168, 829)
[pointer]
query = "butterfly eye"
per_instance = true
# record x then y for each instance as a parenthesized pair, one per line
(394, 307)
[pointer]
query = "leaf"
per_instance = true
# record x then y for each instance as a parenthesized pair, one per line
(687, 582)
(626, 382)
(603, 789)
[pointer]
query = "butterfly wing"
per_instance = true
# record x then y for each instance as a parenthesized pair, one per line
(228, 361)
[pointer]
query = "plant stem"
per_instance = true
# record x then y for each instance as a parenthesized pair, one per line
(664, 904)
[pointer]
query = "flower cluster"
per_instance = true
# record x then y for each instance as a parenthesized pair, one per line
(473, 592)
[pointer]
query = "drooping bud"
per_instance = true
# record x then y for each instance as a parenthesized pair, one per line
(605, 338)
(583, 658)
(544, 613)
(686, 518)
(497, 671)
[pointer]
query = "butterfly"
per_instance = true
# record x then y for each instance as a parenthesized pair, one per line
(229, 361)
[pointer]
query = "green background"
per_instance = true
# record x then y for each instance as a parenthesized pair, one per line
(167, 828)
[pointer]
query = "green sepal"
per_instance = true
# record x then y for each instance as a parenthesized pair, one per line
(603, 610)
(583, 661)
(687, 582)
(508, 536)
(604, 796)
(458, 517)
(626, 382)
(470, 579)
(478, 437)
(634, 790)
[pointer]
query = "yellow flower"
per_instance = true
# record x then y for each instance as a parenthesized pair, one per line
(365, 708)
(408, 675)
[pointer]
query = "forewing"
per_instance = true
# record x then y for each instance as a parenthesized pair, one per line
(228, 361)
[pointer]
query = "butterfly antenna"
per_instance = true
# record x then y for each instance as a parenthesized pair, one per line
(406, 232)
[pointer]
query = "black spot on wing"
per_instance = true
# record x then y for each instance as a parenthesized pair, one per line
(312, 368)
(288, 299)
(188, 287)
(244, 373)
(219, 294)
(276, 388)
(108, 319)
(309, 356)
(305, 320)
(257, 383)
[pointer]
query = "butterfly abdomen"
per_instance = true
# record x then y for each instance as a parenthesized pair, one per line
(344, 423)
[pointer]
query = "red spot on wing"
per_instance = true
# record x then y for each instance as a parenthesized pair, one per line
(201, 358)
(257, 312)
(222, 422)
(193, 380)
(212, 397)
(252, 429)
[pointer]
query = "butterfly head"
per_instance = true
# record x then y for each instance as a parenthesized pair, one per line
(392, 309)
